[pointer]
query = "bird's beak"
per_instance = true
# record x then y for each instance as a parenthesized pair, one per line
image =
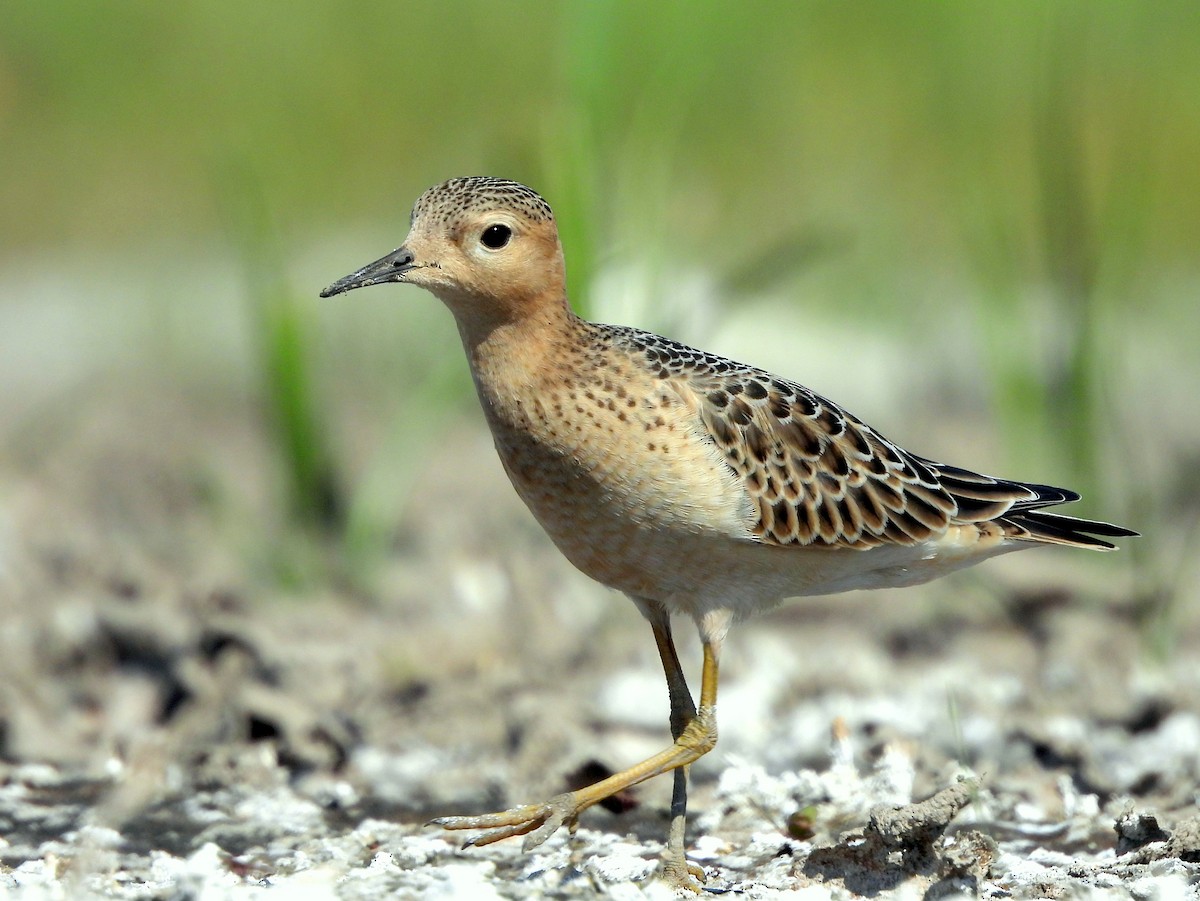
(390, 268)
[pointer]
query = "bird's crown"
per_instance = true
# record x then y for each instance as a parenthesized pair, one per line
(473, 193)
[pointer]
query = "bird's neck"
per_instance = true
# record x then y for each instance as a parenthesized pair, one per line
(513, 358)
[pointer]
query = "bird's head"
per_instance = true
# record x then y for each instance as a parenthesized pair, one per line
(487, 247)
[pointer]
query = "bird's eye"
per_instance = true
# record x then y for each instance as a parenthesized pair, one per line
(495, 236)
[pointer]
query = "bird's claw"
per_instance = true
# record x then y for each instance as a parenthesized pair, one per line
(537, 822)
(684, 875)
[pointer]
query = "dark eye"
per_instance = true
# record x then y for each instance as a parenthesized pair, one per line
(495, 236)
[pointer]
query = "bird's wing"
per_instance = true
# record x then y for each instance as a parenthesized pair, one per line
(817, 474)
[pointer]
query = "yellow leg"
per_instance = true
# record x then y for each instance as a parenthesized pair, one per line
(537, 822)
(676, 868)
(683, 709)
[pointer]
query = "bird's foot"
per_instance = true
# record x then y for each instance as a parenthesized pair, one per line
(537, 822)
(683, 875)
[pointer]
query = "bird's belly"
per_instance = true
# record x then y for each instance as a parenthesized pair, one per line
(635, 508)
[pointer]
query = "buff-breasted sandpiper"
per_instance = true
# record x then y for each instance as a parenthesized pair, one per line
(693, 484)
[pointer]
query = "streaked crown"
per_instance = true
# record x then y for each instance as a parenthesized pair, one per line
(474, 193)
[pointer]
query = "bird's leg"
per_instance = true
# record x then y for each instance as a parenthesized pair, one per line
(683, 709)
(676, 868)
(537, 822)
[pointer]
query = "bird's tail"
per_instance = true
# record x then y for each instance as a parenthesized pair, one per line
(1055, 528)
(1019, 509)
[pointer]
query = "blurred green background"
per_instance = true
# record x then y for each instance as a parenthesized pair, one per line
(975, 224)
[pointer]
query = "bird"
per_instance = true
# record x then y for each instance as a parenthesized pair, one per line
(695, 485)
